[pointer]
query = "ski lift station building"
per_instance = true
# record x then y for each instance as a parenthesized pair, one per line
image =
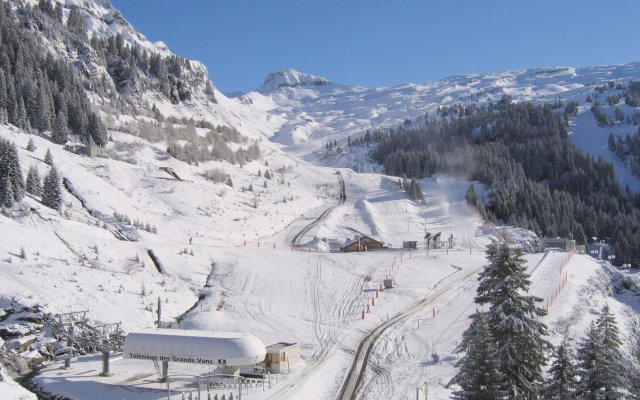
(281, 356)
(225, 350)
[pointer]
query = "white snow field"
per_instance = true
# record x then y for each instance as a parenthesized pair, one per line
(242, 254)
(216, 244)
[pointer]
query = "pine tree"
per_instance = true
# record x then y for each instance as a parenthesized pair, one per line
(11, 182)
(75, 22)
(60, 131)
(42, 116)
(48, 158)
(471, 196)
(613, 369)
(602, 374)
(562, 381)
(31, 146)
(22, 121)
(97, 131)
(520, 345)
(51, 190)
(4, 115)
(33, 184)
(478, 375)
(591, 375)
(611, 141)
(6, 191)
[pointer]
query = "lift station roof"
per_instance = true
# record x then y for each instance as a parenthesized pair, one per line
(196, 347)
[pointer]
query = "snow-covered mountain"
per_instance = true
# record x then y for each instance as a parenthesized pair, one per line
(333, 111)
(313, 115)
(143, 225)
(290, 78)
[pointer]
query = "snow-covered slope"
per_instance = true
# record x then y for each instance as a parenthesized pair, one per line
(315, 114)
(216, 242)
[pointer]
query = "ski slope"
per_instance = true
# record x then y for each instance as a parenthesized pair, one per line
(242, 255)
(219, 243)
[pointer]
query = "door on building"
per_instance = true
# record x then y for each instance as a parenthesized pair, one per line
(268, 360)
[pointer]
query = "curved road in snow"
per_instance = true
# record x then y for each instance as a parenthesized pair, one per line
(295, 242)
(355, 377)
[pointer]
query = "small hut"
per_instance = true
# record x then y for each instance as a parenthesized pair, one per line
(281, 357)
(563, 244)
(410, 244)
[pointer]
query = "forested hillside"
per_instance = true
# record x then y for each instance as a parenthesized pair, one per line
(40, 92)
(537, 179)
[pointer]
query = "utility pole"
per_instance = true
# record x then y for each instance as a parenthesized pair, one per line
(67, 361)
(159, 312)
(106, 349)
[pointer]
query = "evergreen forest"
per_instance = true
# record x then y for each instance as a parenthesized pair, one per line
(536, 178)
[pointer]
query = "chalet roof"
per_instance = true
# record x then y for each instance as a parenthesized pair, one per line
(360, 239)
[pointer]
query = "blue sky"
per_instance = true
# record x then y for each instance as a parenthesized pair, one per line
(382, 42)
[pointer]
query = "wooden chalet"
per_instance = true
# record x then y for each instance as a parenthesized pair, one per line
(362, 243)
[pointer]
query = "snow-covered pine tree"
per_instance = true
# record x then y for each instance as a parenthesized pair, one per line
(478, 375)
(51, 190)
(614, 372)
(11, 182)
(471, 196)
(16, 173)
(33, 184)
(6, 191)
(589, 354)
(562, 381)
(31, 146)
(602, 374)
(60, 131)
(520, 344)
(21, 117)
(97, 130)
(48, 158)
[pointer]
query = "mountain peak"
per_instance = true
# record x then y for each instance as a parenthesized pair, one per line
(288, 77)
